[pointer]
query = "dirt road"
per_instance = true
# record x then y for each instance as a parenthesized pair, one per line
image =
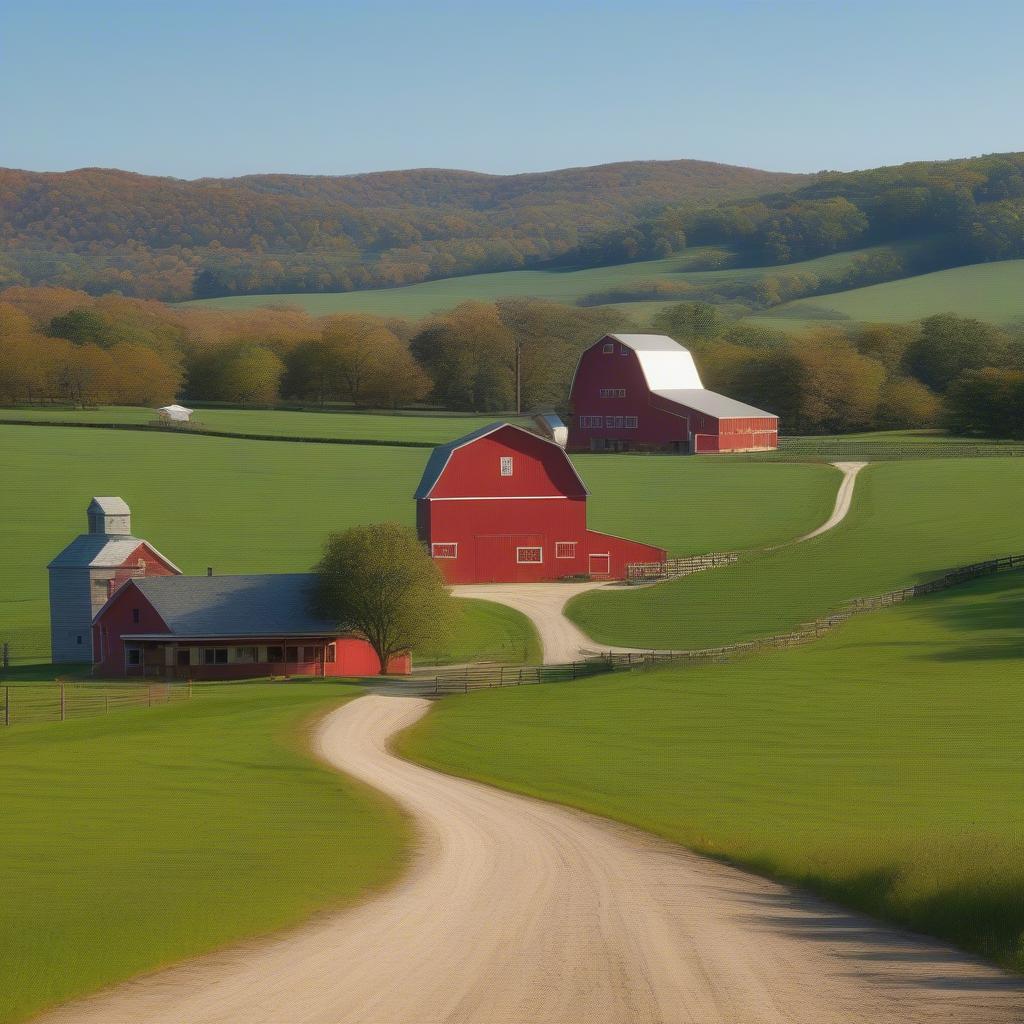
(844, 498)
(520, 912)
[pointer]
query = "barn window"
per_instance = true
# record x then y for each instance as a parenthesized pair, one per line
(275, 654)
(246, 655)
(309, 654)
(135, 615)
(291, 654)
(529, 556)
(215, 655)
(331, 654)
(614, 422)
(134, 656)
(78, 639)
(623, 351)
(565, 549)
(631, 423)
(609, 348)
(184, 656)
(506, 465)
(444, 550)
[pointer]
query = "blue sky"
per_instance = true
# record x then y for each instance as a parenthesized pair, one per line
(194, 89)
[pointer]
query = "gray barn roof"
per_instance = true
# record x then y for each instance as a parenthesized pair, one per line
(101, 551)
(713, 404)
(270, 605)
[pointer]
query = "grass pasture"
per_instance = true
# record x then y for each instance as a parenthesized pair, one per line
(563, 285)
(422, 428)
(138, 839)
(986, 291)
(264, 506)
(879, 766)
(909, 521)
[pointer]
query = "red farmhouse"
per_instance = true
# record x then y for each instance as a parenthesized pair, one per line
(224, 627)
(642, 392)
(503, 505)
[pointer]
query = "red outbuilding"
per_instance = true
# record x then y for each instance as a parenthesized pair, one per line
(504, 505)
(225, 627)
(642, 392)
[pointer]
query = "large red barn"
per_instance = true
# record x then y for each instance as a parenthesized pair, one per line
(642, 392)
(503, 505)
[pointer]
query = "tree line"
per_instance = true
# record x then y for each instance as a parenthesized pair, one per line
(58, 345)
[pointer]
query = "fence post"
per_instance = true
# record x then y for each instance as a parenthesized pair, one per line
(7, 704)
(62, 702)
(6, 656)
(149, 695)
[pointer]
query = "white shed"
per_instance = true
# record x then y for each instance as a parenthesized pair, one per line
(175, 413)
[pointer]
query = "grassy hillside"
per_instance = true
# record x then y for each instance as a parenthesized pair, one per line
(987, 291)
(567, 286)
(879, 766)
(265, 506)
(135, 840)
(909, 521)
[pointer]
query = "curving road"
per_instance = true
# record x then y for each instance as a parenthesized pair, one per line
(521, 912)
(844, 498)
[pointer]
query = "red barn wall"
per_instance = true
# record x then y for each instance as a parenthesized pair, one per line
(115, 620)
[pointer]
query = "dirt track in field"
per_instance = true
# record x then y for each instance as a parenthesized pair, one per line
(521, 912)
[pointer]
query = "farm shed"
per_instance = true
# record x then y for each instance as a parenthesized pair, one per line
(90, 569)
(225, 627)
(504, 505)
(174, 413)
(642, 392)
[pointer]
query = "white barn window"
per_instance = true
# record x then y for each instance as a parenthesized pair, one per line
(609, 348)
(529, 556)
(506, 465)
(565, 549)
(444, 550)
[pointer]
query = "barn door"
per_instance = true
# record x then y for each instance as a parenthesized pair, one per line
(599, 565)
(511, 558)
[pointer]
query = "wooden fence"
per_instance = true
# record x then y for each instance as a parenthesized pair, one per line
(60, 701)
(647, 572)
(485, 676)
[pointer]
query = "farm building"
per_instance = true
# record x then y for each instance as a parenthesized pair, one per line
(225, 627)
(642, 392)
(90, 569)
(504, 505)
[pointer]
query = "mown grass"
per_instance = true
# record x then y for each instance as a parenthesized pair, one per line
(909, 522)
(133, 840)
(880, 765)
(485, 631)
(987, 291)
(424, 428)
(265, 506)
(563, 285)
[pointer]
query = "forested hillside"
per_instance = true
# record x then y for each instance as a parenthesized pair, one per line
(106, 230)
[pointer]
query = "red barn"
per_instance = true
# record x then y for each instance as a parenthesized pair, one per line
(503, 505)
(225, 627)
(642, 392)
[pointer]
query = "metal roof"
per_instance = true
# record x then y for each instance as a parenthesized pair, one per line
(110, 506)
(443, 452)
(713, 404)
(272, 605)
(665, 363)
(102, 551)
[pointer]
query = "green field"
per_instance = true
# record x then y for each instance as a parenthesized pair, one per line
(909, 521)
(265, 506)
(880, 765)
(132, 841)
(487, 632)
(424, 428)
(566, 286)
(987, 291)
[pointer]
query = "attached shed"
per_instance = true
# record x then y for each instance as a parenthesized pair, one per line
(504, 505)
(226, 627)
(642, 392)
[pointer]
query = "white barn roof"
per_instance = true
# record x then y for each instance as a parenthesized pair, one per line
(665, 363)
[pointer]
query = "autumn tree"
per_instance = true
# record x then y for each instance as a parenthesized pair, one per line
(948, 345)
(905, 403)
(380, 581)
(144, 377)
(252, 376)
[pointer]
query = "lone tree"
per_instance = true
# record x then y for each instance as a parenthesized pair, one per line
(380, 582)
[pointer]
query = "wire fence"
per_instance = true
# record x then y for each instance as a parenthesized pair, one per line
(60, 701)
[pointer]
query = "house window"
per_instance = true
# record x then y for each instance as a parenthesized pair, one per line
(275, 654)
(506, 465)
(291, 654)
(445, 550)
(631, 423)
(309, 654)
(134, 656)
(331, 654)
(215, 655)
(565, 549)
(184, 656)
(135, 615)
(529, 556)
(609, 348)
(246, 655)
